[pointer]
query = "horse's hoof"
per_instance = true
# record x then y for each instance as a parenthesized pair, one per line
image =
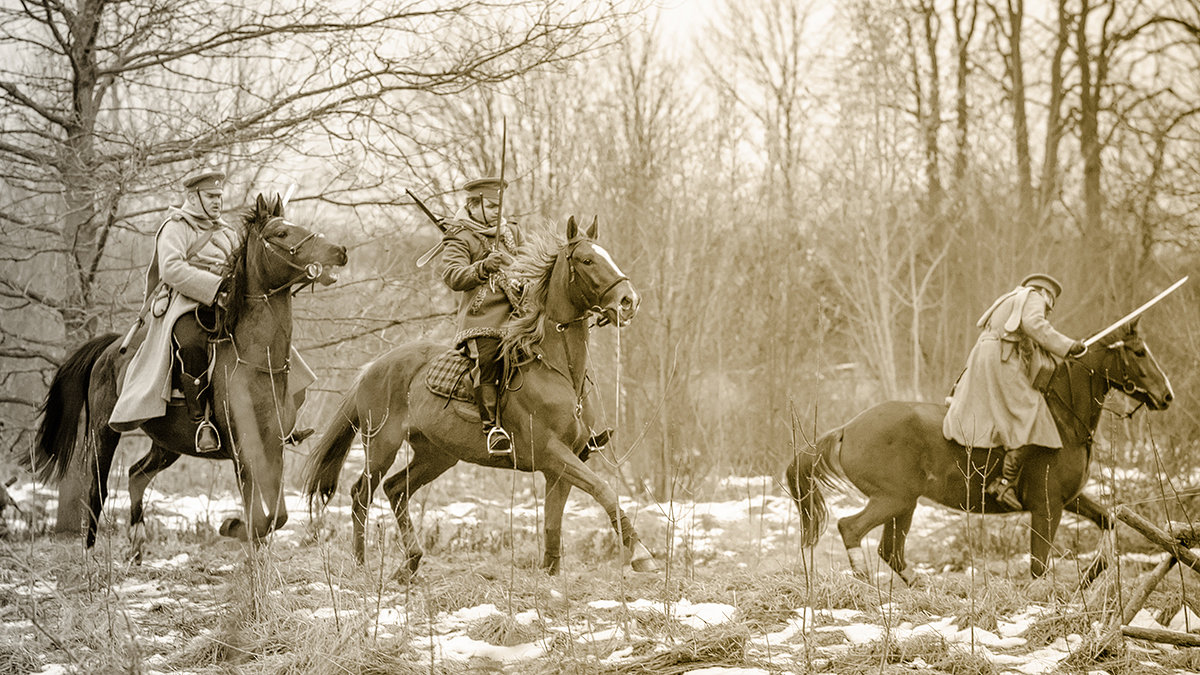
(911, 578)
(642, 561)
(232, 527)
(644, 565)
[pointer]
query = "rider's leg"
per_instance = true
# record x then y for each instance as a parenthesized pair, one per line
(485, 351)
(191, 342)
(1003, 488)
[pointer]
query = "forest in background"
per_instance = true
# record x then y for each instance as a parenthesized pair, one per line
(815, 200)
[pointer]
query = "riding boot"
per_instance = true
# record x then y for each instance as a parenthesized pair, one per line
(1004, 487)
(207, 440)
(498, 440)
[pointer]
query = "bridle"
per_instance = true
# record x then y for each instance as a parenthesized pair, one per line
(576, 296)
(1125, 385)
(309, 273)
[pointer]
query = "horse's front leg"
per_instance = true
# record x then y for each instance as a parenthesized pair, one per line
(260, 482)
(1091, 509)
(559, 463)
(556, 500)
(1045, 506)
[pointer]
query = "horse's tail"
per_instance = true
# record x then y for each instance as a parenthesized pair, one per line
(325, 462)
(811, 468)
(67, 398)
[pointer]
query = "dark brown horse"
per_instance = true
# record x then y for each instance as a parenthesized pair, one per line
(390, 403)
(252, 409)
(894, 453)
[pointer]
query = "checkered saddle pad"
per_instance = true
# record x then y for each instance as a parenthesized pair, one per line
(449, 376)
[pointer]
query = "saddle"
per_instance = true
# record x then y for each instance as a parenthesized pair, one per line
(449, 377)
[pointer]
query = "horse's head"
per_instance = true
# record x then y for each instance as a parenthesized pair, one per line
(285, 254)
(1129, 366)
(597, 284)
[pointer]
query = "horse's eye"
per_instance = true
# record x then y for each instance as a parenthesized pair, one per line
(586, 261)
(1139, 353)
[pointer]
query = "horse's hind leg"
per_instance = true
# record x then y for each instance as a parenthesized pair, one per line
(379, 460)
(1088, 508)
(426, 465)
(105, 440)
(879, 510)
(891, 545)
(140, 475)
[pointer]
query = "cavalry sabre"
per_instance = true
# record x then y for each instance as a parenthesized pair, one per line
(1134, 314)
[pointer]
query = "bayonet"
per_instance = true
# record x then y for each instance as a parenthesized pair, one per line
(439, 222)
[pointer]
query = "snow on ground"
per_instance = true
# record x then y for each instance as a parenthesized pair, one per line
(700, 525)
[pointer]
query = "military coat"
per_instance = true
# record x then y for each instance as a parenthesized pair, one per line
(994, 403)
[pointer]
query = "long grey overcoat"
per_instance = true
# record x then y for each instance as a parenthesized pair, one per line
(994, 403)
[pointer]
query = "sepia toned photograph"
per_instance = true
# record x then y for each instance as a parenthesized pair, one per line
(609, 337)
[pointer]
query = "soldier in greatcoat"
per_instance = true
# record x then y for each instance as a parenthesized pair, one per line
(478, 248)
(995, 403)
(183, 283)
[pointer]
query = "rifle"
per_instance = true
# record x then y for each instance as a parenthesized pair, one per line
(439, 222)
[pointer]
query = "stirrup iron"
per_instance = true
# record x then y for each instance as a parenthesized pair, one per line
(499, 442)
(207, 425)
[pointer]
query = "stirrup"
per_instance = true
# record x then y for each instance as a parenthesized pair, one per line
(213, 438)
(598, 441)
(298, 436)
(499, 443)
(1005, 493)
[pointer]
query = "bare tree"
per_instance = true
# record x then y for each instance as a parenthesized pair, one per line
(101, 100)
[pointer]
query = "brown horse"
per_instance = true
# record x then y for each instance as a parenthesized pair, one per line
(253, 411)
(894, 453)
(390, 403)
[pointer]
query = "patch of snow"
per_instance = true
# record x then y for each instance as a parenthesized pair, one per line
(1185, 621)
(178, 561)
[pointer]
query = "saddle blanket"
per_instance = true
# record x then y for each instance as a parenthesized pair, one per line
(449, 376)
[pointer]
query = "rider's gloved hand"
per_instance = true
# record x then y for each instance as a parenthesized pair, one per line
(1077, 348)
(495, 261)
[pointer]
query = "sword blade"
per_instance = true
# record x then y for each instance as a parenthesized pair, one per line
(1134, 314)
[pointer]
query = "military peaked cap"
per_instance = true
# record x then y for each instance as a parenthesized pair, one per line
(1043, 281)
(203, 179)
(489, 187)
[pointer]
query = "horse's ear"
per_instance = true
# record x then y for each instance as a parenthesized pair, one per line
(1132, 327)
(591, 231)
(260, 203)
(277, 206)
(572, 228)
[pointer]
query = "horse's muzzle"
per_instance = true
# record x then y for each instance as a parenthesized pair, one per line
(327, 265)
(620, 303)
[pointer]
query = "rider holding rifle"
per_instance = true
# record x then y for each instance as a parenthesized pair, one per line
(477, 248)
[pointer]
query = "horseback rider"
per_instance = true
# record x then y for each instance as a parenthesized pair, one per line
(478, 248)
(997, 401)
(185, 280)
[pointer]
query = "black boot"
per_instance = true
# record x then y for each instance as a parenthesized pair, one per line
(207, 440)
(1004, 487)
(499, 443)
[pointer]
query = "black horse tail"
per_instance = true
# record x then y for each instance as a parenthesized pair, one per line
(326, 460)
(68, 397)
(809, 469)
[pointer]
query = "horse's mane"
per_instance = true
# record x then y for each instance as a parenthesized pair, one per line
(253, 220)
(532, 266)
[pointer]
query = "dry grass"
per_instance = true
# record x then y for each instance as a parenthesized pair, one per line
(301, 605)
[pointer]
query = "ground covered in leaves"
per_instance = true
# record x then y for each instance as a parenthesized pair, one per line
(736, 594)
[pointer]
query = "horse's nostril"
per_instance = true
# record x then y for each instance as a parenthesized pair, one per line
(1168, 398)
